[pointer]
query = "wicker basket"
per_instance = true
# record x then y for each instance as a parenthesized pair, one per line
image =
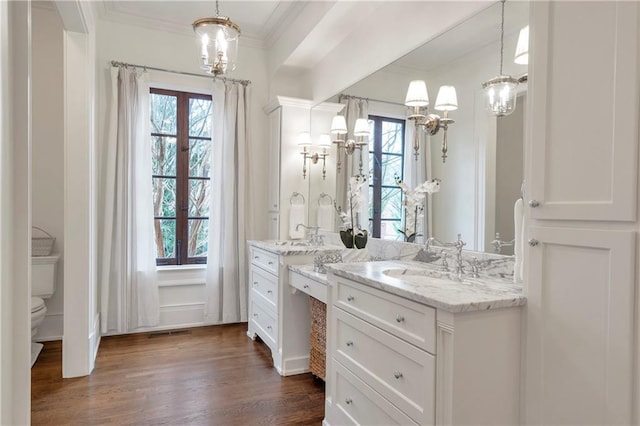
(318, 340)
(42, 246)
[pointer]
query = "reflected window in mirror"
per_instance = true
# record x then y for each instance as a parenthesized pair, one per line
(386, 165)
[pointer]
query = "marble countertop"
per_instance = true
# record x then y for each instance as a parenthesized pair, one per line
(307, 271)
(294, 247)
(423, 283)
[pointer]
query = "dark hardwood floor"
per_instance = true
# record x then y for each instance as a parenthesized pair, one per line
(207, 376)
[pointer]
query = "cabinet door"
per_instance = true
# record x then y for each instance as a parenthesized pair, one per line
(274, 159)
(583, 86)
(580, 326)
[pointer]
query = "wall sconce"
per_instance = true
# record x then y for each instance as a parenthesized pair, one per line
(360, 132)
(304, 140)
(418, 99)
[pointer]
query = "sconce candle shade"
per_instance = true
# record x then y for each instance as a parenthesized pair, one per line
(361, 127)
(304, 139)
(522, 48)
(446, 99)
(324, 141)
(500, 95)
(417, 95)
(339, 125)
(218, 37)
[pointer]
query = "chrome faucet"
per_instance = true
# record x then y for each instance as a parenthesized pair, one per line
(457, 244)
(498, 243)
(314, 237)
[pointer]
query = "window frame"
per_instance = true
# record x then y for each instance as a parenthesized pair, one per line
(182, 177)
(375, 179)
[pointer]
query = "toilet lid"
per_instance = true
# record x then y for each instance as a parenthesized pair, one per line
(36, 304)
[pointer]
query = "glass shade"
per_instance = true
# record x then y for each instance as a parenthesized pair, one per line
(522, 48)
(304, 139)
(324, 141)
(218, 44)
(361, 127)
(417, 95)
(447, 99)
(500, 95)
(338, 125)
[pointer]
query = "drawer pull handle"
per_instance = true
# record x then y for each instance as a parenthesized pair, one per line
(350, 298)
(397, 375)
(349, 343)
(348, 401)
(270, 262)
(255, 315)
(399, 318)
(256, 257)
(255, 283)
(306, 286)
(268, 327)
(269, 291)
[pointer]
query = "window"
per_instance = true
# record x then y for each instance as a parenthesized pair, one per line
(386, 164)
(181, 151)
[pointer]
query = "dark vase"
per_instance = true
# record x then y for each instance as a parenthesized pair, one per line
(348, 239)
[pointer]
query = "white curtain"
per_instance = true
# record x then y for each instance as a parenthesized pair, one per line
(417, 170)
(230, 213)
(354, 109)
(128, 275)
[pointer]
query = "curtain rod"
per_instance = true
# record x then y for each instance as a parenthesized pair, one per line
(225, 79)
(345, 96)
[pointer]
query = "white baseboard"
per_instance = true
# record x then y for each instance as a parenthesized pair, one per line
(52, 328)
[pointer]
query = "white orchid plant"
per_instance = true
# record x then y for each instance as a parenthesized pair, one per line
(414, 206)
(354, 201)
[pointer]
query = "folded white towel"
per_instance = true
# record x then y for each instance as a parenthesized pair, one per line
(325, 219)
(518, 219)
(296, 216)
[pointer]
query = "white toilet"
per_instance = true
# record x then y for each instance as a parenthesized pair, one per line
(43, 284)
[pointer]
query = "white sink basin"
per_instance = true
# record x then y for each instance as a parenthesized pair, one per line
(432, 272)
(412, 274)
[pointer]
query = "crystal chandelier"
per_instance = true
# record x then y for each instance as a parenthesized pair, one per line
(500, 91)
(219, 43)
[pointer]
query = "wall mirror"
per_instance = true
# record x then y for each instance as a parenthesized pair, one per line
(482, 176)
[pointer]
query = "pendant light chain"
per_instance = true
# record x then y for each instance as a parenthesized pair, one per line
(218, 10)
(501, 37)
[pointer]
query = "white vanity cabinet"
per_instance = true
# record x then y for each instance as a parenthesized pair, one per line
(582, 195)
(391, 360)
(275, 311)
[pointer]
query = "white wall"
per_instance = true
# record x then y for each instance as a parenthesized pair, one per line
(48, 151)
(15, 212)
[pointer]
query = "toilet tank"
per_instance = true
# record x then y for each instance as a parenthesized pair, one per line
(43, 275)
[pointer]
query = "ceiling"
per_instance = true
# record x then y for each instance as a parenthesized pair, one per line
(457, 42)
(259, 21)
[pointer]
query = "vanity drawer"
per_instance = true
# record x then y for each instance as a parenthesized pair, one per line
(402, 373)
(265, 322)
(355, 403)
(265, 284)
(307, 285)
(264, 259)
(404, 318)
